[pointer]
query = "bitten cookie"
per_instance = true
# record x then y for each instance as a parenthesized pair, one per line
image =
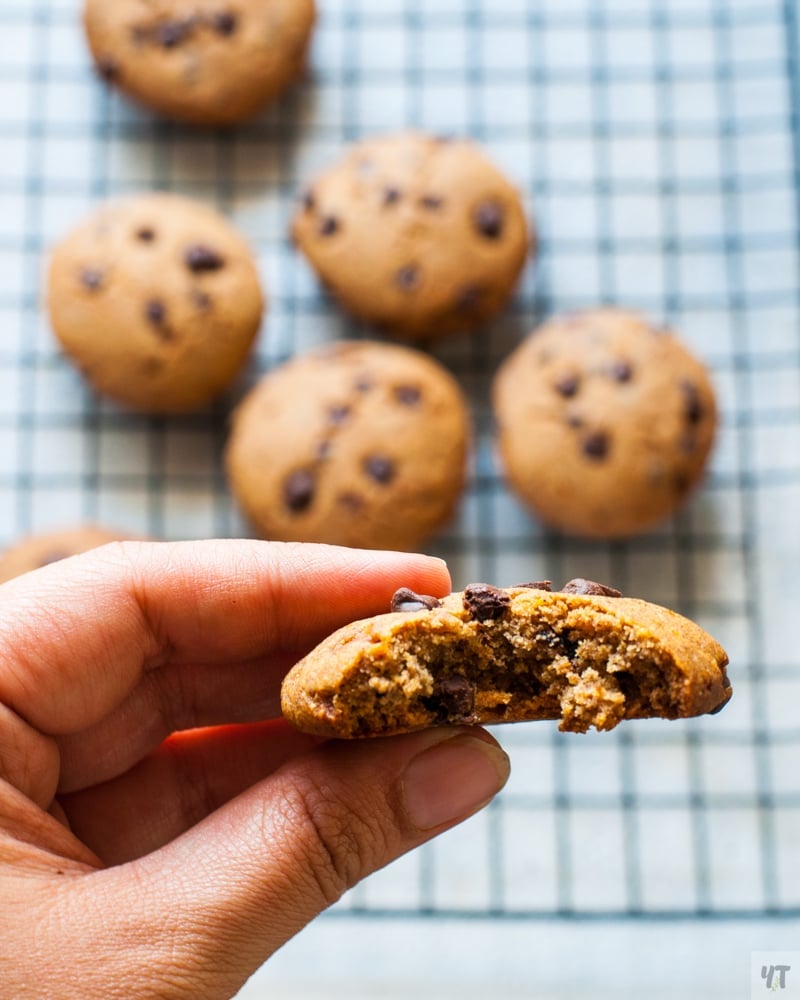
(202, 61)
(585, 656)
(605, 423)
(157, 301)
(36, 551)
(416, 235)
(357, 443)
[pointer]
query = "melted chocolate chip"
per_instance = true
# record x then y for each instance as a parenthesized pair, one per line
(468, 298)
(589, 588)
(298, 490)
(224, 23)
(92, 279)
(145, 234)
(407, 278)
(692, 403)
(407, 600)
(202, 258)
(453, 700)
(488, 218)
(108, 68)
(328, 226)
(338, 414)
(596, 445)
(621, 371)
(391, 195)
(155, 312)
(486, 603)
(567, 385)
(408, 395)
(536, 585)
(379, 468)
(432, 202)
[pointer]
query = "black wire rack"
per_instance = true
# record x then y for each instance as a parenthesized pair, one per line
(657, 143)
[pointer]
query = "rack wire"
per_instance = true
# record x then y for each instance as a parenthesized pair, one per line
(657, 143)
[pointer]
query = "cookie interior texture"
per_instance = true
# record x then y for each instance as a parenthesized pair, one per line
(507, 656)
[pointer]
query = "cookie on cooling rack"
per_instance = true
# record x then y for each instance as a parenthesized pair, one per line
(157, 301)
(416, 235)
(584, 655)
(605, 422)
(40, 550)
(211, 62)
(357, 443)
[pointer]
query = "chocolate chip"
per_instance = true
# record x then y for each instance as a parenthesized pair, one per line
(298, 490)
(589, 588)
(92, 278)
(224, 23)
(352, 501)
(202, 258)
(155, 312)
(723, 703)
(621, 371)
(146, 234)
(338, 414)
(486, 603)
(488, 218)
(596, 445)
(405, 599)
(453, 700)
(408, 395)
(692, 403)
(432, 202)
(536, 585)
(379, 468)
(567, 385)
(468, 298)
(391, 195)
(108, 68)
(328, 226)
(407, 278)
(172, 33)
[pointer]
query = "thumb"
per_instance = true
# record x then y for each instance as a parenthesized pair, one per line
(229, 892)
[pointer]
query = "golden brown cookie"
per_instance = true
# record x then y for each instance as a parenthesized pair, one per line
(211, 62)
(40, 550)
(416, 235)
(585, 656)
(357, 443)
(605, 422)
(156, 299)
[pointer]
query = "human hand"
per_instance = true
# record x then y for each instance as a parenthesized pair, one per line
(157, 837)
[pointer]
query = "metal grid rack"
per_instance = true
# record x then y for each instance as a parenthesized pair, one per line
(658, 146)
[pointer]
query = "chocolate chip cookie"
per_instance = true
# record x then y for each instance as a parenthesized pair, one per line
(202, 61)
(40, 550)
(605, 422)
(585, 656)
(416, 235)
(357, 443)
(157, 301)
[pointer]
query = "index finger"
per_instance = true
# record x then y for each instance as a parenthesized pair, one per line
(77, 636)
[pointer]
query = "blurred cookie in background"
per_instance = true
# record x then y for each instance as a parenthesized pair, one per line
(416, 235)
(605, 422)
(209, 62)
(157, 300)
(39, 550)
(357, 443)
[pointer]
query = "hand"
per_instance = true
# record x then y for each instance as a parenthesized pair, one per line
(157, 836)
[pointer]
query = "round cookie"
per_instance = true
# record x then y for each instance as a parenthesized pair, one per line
(211, 62)
(157, 300)
(358, 443)
(36, 551)
(605, 423)
(417, 235)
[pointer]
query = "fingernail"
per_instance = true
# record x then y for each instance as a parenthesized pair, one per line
(452, 780)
